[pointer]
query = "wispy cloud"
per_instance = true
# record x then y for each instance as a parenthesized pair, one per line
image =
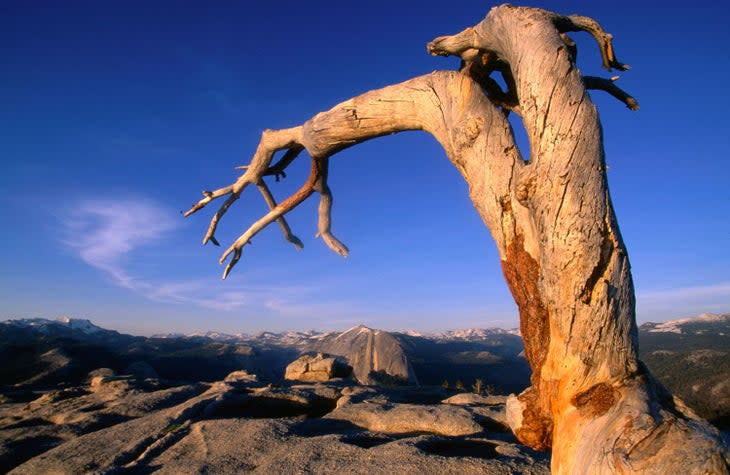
(285, 300)
(683, 301)
(721, 289)
(106, 234)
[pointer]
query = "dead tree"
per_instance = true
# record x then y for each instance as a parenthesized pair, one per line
(590, 400)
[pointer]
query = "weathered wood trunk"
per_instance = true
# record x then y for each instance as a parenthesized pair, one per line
(550, 215)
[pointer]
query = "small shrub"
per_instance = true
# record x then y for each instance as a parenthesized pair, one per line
(384, 379)
(170, 428)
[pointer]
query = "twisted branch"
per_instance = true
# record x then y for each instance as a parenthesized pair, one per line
(609, 85)
(479, 63)
(406, 106)
(568, 23)
(324, 212)
(565, 24)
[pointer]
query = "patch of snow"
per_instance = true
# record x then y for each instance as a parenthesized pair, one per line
(675, 326)
(357, 328)
(476, 333)
(667, 327)
(320, 336)
(168, 335)
(412, 333)
(82, 325)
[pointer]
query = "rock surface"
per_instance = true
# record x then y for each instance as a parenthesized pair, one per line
(320, 367)
(121, 424)
(392, 418)
(242, 376)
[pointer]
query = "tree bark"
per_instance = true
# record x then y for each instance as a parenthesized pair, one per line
(590, 400)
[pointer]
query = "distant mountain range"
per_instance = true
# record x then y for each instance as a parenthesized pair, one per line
(294, 337)
(451, 358)
(690, 356)
(61, 324)
(703, 323)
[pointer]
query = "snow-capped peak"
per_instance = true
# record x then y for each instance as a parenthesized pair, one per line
(82, 325)
(676, 326)
(45, 325)
(357, 329)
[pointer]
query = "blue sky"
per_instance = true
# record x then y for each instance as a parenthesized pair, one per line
(115, 115)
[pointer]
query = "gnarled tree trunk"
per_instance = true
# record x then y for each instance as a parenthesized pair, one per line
(590, 400)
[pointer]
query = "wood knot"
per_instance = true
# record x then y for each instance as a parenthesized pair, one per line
(596, 400)
(467, 133)
(525, 186)
(536, 430)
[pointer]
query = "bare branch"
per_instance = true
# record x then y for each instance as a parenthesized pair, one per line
(279, 210)
(210, 233)
(269, 198)
(271, 142)
(453, 44)
(208, 196)
(608, 85)
(277, 170)
(565, 24)
(411, 105)
(325, 209)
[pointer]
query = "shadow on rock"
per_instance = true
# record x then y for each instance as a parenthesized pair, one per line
(269, 404)
(366, 440)
(459, 447)
(318, 427)
(17, 452)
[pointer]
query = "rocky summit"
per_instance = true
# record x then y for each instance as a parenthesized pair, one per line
(373, 354)
(124, 424)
